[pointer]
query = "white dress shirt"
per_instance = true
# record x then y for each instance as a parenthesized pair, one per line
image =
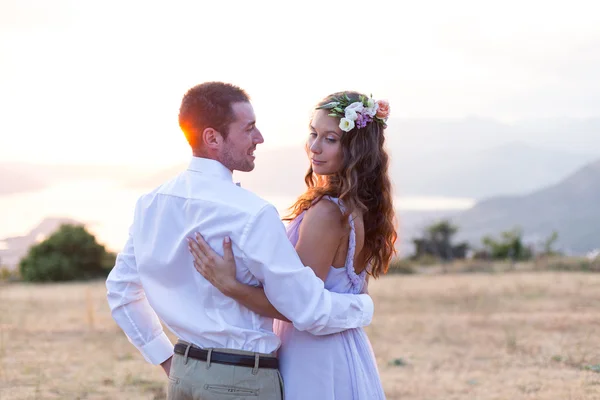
(154, 278)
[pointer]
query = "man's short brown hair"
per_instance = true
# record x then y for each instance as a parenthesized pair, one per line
(208, 105)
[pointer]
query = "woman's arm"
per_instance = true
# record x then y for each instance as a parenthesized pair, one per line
(220, 271)
(320, 235)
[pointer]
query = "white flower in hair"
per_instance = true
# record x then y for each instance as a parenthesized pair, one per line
(357, 113)
(371, 108)
(357, 107)
(346, 124)
(351, 114)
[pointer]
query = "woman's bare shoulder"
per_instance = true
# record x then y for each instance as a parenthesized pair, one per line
(325, 214)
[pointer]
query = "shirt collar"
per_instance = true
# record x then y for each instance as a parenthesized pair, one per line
(210, 167)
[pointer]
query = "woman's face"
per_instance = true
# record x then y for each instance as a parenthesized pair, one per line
(323, 146)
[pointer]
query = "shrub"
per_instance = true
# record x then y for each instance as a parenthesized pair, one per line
(70, 253)
(509, 246)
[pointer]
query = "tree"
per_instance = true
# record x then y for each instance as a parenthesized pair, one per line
(509, 246)
(70, 253)
(549, 244)
(441, 234)
(437, 242)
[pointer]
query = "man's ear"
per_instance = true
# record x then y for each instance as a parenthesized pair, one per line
(211, 138)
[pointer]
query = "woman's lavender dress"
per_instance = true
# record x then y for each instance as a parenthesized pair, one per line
(333, 367)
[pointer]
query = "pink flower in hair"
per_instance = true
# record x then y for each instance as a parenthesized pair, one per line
(383, 109)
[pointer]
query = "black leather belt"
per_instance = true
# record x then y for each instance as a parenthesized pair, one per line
(228, 358)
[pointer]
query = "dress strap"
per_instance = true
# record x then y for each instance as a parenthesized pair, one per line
(357, 280)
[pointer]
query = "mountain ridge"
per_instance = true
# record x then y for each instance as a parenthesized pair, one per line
(570, 207)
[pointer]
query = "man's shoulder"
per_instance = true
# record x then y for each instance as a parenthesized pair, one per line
(214, 191)
(246, 199)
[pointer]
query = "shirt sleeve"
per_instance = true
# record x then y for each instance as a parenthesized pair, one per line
(294, 290)
(131, 310)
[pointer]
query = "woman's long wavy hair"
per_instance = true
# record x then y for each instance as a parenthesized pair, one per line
(362, 185)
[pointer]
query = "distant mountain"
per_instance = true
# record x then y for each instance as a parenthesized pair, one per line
(24, 177)
(12, 249)
(480, 157)
(571, 207)
(574, 135)
(412, 224)
(509, 169)
(513, 168)
(469, 157)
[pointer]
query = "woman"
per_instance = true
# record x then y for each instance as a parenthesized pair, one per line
(343, 228)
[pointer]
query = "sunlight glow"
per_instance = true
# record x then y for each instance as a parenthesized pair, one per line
(76, 72)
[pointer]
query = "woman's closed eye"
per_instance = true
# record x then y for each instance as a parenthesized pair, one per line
(329, 139)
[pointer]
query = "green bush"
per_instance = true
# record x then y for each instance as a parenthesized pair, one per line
(509, 246)
(70, 253)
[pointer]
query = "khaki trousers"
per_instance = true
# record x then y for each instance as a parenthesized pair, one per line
(192, 379)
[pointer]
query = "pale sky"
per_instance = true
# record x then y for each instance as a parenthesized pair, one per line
(87, 81)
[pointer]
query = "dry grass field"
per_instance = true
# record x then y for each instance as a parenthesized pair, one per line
(462, 336)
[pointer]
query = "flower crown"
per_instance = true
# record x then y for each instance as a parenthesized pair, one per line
(359, 113)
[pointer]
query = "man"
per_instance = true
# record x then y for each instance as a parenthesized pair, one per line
(224, 349)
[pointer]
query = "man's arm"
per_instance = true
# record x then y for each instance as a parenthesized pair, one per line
(132, 312)
(294, 290)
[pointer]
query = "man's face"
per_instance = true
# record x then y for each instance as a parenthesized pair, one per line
(237, 152)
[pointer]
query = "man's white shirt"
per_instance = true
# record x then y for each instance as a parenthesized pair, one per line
(154, 278)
